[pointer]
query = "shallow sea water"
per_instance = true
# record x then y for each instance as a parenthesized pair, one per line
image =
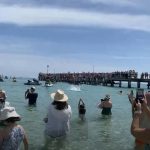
(95, 133)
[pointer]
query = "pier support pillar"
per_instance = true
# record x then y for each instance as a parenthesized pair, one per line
(138, 85)
(112, 83)
(129, 84)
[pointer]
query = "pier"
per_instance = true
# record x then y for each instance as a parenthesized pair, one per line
(105, 79)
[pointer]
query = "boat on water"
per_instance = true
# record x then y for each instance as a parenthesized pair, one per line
(14, 79)
(33, 82)
(1, 79)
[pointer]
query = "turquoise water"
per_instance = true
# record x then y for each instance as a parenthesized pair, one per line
(96, 133)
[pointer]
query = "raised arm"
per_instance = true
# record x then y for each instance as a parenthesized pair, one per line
(80, 101)
(146, 109)
(140, 133)
(26, 93)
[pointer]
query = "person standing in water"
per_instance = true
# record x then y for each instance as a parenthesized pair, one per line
(31, 95)
(58, 116)
(106, 105)
(12, 134)
(3, 97)
(81, 109)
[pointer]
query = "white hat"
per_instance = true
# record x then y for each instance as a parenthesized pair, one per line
(8, 112)
(59, 96)
(107, 96)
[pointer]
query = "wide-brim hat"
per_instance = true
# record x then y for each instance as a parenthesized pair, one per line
(60, 96)
(8, 112)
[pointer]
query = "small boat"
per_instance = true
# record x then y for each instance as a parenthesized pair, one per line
(33, 82)
(1, 79)
(14, 79)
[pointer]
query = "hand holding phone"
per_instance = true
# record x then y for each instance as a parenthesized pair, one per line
(140, 95)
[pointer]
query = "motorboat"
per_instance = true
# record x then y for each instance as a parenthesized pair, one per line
(33, 82)
(14, 79)
(1, 79)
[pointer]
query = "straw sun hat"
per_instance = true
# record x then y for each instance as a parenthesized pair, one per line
(60, 96)
(8, 112)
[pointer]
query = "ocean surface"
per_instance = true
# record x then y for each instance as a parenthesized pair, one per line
(95, 133)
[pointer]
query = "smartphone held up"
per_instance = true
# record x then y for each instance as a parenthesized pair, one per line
(139, 95)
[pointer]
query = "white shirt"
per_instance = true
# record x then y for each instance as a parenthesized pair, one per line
(6, 104)
(58, 121)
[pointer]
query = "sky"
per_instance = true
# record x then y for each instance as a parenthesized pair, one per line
(73, 36)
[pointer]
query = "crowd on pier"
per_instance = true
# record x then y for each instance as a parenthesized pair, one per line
(87, 78)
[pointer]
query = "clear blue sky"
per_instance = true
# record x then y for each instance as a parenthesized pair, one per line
(74, 36)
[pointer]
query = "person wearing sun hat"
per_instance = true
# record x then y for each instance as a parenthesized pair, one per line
(12, 134)
(3, 102)
(2, 95)
(106, 105)
(58, 116)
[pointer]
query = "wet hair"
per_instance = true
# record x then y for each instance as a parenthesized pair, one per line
(82, 106)
(60, 105)
(12, 119)
(2, 100)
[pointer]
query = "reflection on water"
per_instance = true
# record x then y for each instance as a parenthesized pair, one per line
(31, 108)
